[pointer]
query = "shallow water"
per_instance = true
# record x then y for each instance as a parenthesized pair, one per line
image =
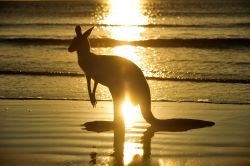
(188, 50)
(50, 133)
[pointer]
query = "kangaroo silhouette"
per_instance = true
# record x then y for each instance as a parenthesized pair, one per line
(120, 75)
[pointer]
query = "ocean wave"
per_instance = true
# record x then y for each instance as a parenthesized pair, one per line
(74, 74)
(59, 24)
(107, 42)
(41, 73)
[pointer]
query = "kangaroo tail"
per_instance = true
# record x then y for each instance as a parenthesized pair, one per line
(172, 124)
(147, 113)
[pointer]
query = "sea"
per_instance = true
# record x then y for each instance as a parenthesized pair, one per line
(188, 50)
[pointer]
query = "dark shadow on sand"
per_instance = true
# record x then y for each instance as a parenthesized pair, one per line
(168, 125)
(99, 126)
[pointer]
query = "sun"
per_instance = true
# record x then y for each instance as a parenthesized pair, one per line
(131, 113)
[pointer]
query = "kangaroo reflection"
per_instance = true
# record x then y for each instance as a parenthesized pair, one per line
(119, 138)
(169, 125)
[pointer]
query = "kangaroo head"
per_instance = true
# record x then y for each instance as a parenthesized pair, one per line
(80, 42)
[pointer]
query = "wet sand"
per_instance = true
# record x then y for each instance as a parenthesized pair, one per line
(40, 132)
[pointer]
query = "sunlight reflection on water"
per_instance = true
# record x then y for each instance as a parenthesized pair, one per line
(126, 51)
(125, 32)
(127, 15)
(131, 150)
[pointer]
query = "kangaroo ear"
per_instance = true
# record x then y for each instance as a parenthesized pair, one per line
(88, 32)
(78, 30)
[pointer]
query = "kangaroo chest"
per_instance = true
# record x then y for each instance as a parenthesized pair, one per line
(95, 71)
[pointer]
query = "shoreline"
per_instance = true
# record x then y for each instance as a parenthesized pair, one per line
(152, 101)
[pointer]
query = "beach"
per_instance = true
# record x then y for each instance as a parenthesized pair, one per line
(194, 56)
(49, 133)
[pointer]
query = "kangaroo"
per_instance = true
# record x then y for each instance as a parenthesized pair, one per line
(120, 75)
(124, 79)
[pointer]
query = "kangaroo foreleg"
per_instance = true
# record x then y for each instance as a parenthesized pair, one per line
(93, 99)
(91, 94)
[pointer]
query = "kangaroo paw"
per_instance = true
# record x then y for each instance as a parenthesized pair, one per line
(93, 100)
